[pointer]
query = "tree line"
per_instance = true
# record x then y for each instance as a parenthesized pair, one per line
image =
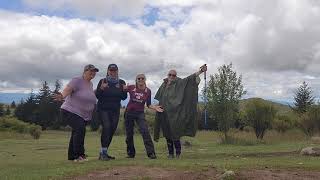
(225, 90)
(40, 108)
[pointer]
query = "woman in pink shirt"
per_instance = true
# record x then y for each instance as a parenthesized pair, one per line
(139, 96)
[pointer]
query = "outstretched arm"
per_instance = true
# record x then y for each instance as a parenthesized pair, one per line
(202, 69)
(61, 95)
(154, 107)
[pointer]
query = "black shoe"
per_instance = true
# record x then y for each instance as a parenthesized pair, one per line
(130, 156)
(111, 157)
(152, 156)
(103, 157)
(170, 156)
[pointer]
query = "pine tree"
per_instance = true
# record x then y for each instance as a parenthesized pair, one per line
(57, 123)
(2, 113)
(45, 113)
(25, 111)
(13, 105)
(8, 111)
(303, 98)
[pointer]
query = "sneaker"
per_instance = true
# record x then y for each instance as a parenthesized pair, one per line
(111, 157)
(130, 156)
(79, 159)
(152, 156)
(103, 157)
(84, 157)
(170, 156)
(178, 156)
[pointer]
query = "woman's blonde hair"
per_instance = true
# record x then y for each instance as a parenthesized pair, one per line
(141, 75)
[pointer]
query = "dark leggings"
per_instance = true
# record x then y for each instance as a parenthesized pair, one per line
(109, 120)
(139, 117)
(174, 144)
(78, 125)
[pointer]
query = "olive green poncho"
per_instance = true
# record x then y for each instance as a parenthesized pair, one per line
(179, 101)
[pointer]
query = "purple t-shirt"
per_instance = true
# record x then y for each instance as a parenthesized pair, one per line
(82, 99)
(138, 98)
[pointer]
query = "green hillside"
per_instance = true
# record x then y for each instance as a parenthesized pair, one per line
(281, 108)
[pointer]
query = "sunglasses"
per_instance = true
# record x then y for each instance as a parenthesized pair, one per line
(140, 79)
(173, 75)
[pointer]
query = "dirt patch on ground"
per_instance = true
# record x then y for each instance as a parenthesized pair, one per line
(278, 174)
(270, 154)
(145, 173)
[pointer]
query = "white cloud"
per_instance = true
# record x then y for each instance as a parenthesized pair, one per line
(274, 44)
(100, 8)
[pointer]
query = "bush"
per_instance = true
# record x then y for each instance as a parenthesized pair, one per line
(260, 115)
(248, 129)
(35, 131)
(309, 122)
(283, 123)
(13, 124)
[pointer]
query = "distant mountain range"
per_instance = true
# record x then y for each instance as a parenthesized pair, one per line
(7, 98)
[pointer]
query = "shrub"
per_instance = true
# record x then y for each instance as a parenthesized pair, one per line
(309, 122)
(260, 115)
(282, 123)
(35, 131)
(248, 129)
(13, 124)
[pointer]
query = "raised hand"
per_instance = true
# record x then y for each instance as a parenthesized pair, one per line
(203, 68)
(125, 87)
(57, 96)
(104, 85)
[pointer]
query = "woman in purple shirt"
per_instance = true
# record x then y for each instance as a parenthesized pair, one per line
(139, 96)
(77, 109)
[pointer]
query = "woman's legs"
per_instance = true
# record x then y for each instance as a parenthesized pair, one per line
(177, 146)
(109, 121)
(174, 144)
(144, 131)
(170, 148)
(129, 124)
(76, 143)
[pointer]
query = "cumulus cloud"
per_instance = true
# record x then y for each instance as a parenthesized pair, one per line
(274, 44)
(99, 8)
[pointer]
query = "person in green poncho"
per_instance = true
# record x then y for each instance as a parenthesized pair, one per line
(179, 98)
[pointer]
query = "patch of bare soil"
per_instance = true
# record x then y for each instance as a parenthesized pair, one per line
(144, 173)
(278, 175)
(154, 173)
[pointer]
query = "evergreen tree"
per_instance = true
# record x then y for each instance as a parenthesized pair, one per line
(40, 108)
(8, 111)
(56, 107)
(303, 98)
(13, 105)
(44, 112)
(2, 113)
(25, 111)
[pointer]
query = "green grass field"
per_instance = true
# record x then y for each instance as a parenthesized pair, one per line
(25, 158)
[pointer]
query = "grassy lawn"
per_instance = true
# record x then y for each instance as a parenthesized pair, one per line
(25, 158)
